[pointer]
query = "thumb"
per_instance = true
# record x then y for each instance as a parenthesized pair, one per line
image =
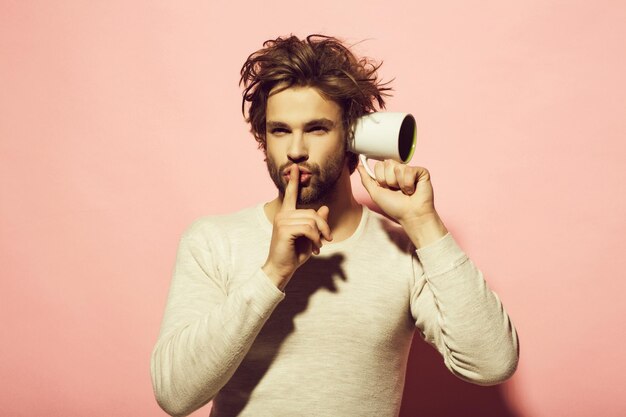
(367, 181)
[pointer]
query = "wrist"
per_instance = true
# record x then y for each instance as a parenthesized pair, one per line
(277, 278)
(425, 229)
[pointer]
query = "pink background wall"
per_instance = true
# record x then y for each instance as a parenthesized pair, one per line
(120, 123)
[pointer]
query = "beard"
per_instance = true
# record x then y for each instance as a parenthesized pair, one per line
(321, 185)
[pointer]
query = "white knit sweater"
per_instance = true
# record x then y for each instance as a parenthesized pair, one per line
(336, 342)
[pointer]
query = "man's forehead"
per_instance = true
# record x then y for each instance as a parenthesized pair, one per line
(300, 105)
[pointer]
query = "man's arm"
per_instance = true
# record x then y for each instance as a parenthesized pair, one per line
(450, 301)
(206, 330)
(460, 316)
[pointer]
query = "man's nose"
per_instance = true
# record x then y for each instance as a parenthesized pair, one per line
(297, 150)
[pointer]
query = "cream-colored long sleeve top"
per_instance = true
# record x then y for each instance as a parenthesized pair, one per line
(336, 341)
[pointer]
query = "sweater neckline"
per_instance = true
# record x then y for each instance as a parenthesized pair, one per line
(328, 246)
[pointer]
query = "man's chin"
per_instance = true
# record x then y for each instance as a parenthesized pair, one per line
(311, 199)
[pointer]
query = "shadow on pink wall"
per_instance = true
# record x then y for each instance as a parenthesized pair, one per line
(432, 390)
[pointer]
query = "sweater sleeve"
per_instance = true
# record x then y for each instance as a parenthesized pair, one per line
(459, 315)
(207, 328)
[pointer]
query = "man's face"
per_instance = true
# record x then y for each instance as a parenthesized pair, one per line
(304, 128)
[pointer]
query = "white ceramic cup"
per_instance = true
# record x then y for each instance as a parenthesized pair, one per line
(384, 135)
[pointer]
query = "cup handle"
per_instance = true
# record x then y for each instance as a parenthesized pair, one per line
(364, 160)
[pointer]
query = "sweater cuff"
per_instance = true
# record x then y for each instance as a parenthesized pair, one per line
(262, 294)
(441, 256)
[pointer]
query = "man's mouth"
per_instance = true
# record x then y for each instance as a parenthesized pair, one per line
(304, 177)
(305, 174)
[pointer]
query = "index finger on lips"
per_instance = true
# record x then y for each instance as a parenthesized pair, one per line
(291, 191)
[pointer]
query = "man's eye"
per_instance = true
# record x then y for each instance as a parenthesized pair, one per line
(318, 129)
(279, 131)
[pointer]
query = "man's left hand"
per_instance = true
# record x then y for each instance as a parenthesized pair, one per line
(405, 193)
(402, 191)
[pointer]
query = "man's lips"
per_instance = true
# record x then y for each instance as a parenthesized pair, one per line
(305, 174)
(302, 171)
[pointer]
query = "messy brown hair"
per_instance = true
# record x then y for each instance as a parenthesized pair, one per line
(318, 61)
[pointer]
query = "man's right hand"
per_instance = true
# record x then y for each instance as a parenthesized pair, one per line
(296, 234)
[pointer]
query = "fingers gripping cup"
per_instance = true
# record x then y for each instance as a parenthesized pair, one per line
(384, 135)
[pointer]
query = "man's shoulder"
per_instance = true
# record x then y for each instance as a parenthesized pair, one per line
(223, 224)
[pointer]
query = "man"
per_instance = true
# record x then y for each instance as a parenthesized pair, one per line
(307, 305)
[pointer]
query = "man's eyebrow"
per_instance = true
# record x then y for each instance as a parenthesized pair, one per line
(270, 124)
(327, 123)
(324, 122)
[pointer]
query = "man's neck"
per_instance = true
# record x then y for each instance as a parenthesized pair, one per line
(344, 211)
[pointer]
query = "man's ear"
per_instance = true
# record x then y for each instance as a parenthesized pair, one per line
(352, 161)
